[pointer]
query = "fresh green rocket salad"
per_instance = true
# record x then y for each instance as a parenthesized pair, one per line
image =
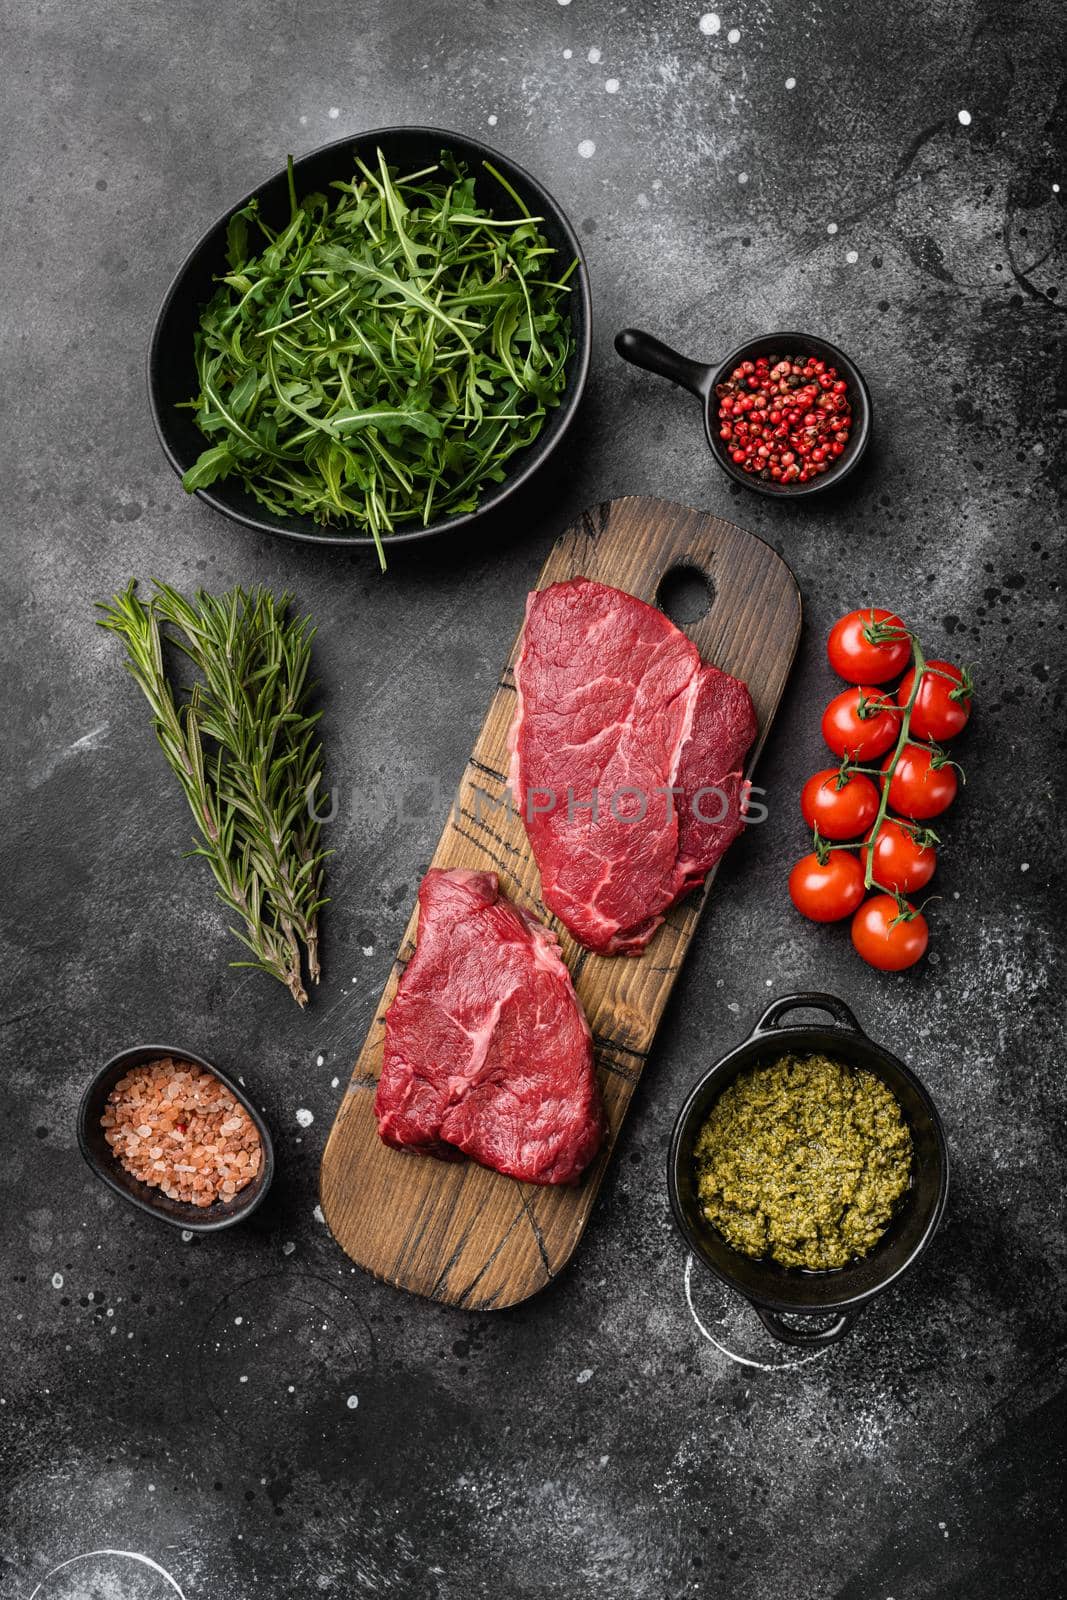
(378, 361)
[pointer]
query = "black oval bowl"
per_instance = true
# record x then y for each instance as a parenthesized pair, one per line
(103, 1161)
(771, 1289)
(171, 367)
(702, 379)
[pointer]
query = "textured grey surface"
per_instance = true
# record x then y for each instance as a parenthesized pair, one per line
(593, 1441)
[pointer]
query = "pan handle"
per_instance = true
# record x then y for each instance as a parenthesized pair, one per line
(785, 1003)
(645, 350)
(809, 1338)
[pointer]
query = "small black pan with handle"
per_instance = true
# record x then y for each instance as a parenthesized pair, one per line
(703, 380)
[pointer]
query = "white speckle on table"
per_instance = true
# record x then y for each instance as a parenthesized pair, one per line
(288, 1247)
(657, 183)
(303, 122)
(334, 1083)
(243, 1378)
(564, 2)
(1055, 188)
(57, 1280)
(831, 227)
(643, 201)
(587, 148)
(291, 1389)
(594, 55)
(567, 54)
(611, 86)
(368, 949)
(710, 23)
(852, 256)
(319, 1060)
(352, 1402)
(965, 119)
(186, 1236)
(585, 1375)
(742, 177)
(88, 741)
(491, 119)
(734, 36)
(237, 1321)
(317, 1214)
(790, 83)
(334, 113)
(305, 1117)
(1024, 866)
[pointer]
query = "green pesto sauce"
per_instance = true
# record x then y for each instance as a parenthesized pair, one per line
(803, 1161)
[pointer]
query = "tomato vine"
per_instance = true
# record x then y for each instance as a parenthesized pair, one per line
(915, 780)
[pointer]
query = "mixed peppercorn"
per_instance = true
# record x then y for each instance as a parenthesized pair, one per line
(785, 419)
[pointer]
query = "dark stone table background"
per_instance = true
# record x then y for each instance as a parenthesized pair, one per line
(592, 1441)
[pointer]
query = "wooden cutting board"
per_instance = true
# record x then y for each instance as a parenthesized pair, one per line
(455, 1231)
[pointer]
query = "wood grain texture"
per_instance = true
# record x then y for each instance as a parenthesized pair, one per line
(455, 1231)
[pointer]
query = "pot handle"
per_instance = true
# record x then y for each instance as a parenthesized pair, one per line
(799, 1002)
(645, 350)
(809, 1338)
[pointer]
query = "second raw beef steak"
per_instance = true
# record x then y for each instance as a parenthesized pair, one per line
(487, 1050)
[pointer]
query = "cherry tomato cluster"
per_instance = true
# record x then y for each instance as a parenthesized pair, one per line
(859, 844)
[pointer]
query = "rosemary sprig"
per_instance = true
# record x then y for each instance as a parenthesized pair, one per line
(245, 750)
(379, 360)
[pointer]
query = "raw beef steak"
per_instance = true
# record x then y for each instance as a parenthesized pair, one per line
(627, 757)
(487, 1050)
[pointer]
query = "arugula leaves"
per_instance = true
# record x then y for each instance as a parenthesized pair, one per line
(384, 355)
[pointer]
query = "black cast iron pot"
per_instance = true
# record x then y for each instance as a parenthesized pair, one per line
(809, 1299)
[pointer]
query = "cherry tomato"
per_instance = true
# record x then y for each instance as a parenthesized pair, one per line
(840, 810)
(919, 788)
(901, 863)
(886, 936)
(861, 738)
(868, 646)
(826, 893)
(939, 712)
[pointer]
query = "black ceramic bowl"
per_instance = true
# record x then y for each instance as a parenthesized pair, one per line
(171, 368)
(701, 379)
(776, 1291)
(102, 1160)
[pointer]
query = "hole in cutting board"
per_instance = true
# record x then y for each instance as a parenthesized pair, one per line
(686, 595)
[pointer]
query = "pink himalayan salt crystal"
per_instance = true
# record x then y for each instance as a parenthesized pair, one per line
(176, 1127)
